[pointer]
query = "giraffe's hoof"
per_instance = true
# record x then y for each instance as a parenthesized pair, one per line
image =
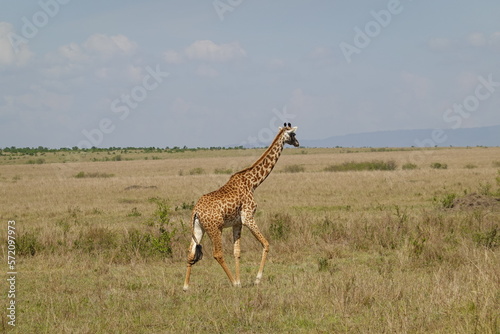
(185, 288)
(237, 285)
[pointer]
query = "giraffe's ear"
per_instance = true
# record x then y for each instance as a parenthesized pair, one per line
(295, 128)
(280, 128)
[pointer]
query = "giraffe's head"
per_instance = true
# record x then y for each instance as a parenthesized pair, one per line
(289, 134)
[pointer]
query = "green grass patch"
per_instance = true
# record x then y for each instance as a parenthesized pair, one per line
(293, 169)
(83, 175)
(439, 165)
(223, 171)
(38, 161)
(279, 229)
(362, 166)
(197, 171)
(409, 166)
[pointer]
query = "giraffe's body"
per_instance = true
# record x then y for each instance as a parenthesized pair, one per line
(233, 205)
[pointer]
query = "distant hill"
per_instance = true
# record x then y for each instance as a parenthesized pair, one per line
(483, 136)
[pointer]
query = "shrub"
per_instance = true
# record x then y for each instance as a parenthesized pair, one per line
(96, 239)
(322, 264)
(447, 201)
(134, 213)
(82, 175)
(28, 244)
(162, 241)
(409, 166)
(438, 165)
(185, 206)
(197, 171)
(137, 242)
(489, 239)
(38, 161)
(470, 166)
(223, 171)
(280, 226)
(361, 166)
(293, 169)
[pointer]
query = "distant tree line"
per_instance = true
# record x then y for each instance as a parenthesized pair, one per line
(175, 149)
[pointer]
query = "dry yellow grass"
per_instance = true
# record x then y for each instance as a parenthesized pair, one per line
(366, 251)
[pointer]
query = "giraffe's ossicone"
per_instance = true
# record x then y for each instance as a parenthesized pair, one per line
(233, 205)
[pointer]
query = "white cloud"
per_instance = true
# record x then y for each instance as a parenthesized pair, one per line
(37, 105)
(494, 41)
(276, 64)
(10, 55)
(418, 85)
(440, 44)
(476, 39)
(206, 71)
(172, 57)
(109, 46)
(73, 52)
(103, 56)
(466, 82)
(210, 51)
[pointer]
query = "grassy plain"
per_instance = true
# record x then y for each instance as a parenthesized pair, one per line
(351, 251)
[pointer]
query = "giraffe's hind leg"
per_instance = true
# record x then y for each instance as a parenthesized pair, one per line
(218, 253)
(237, 252)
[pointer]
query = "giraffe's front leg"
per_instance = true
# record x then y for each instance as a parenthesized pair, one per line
(237, 252)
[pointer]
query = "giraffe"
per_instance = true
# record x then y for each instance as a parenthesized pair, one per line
(233, 205)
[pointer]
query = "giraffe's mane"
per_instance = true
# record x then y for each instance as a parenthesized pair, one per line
(266, 152)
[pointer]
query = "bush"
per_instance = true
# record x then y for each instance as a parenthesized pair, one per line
(470, 166)
(293, 169)
(38, 161)
(409, 166)
(223, 171)
(185, 206)
(447, 201)
(197, 171)
(134, 213)
(28, 244)
(489, 239)
(82, 175)
(162, 241)
(96, 239)
(280, 226)
(438, 165)
(362, 166)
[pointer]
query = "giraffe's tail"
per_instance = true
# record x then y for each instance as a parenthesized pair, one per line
(198, 253)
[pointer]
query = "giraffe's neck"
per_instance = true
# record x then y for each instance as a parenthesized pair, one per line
(261, 169)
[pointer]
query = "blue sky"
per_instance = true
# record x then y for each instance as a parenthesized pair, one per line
(228, 72)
